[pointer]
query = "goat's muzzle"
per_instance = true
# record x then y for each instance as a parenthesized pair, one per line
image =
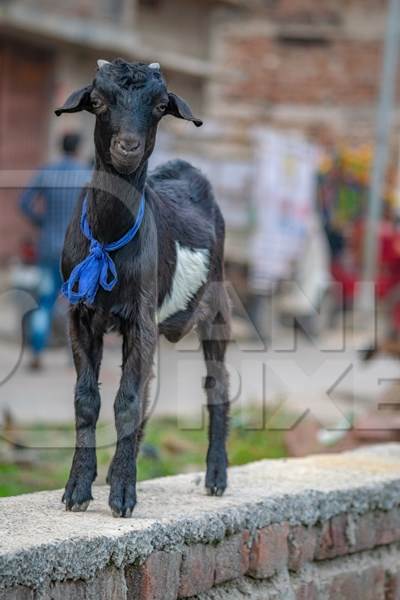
(126, 152)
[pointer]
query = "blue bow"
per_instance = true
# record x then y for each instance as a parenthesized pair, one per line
(98, 269)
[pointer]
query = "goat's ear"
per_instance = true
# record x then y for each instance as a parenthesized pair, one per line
(77, 101)
(179, 108)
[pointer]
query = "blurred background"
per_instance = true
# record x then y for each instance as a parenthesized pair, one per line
(301, 142)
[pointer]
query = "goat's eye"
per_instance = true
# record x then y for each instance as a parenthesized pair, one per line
(162, 107)
(97, 103)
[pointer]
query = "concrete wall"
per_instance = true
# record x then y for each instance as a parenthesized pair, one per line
(181, 25)
(320, 528)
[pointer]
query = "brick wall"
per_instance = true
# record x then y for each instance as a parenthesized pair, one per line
(302, 62)
(284, 549)
(344, 558)
(287, 71)
(319, 528)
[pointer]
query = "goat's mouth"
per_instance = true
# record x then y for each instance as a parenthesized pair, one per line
(125, 162)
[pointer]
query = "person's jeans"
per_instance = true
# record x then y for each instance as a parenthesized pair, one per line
(41, 318)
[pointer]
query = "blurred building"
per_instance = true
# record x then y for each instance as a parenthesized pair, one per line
(306, 63)
(312, 65)
(49, 48)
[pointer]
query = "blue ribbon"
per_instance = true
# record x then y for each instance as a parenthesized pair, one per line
(98, 269)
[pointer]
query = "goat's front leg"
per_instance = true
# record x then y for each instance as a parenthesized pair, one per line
(130, 414)
(86, 331)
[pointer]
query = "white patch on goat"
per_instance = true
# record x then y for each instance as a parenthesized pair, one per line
(190, 274)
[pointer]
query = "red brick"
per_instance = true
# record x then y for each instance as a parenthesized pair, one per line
(232, 557)
(345, 534)
(375, 529)
(388, 527)
(392, 588)
(156, 579)
(302, 542)
(197, 570)
(291, 77)
(366, 585)
(269, 552)
(333, 538)
(305, 591)
(109, 583)
(18, 592)
(365, 536)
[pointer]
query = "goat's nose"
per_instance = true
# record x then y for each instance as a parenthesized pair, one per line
(128, 142)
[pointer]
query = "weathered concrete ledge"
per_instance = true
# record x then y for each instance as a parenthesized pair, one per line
(301, 523)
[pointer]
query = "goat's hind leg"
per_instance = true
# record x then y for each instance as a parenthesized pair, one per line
(214, 337)
(86, 331)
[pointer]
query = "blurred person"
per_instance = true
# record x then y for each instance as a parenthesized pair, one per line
(48, 203)
(311, 278)
(343, 267)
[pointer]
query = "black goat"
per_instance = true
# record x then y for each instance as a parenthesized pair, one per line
(170, 276)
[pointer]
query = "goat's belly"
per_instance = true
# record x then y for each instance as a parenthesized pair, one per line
(191, 272)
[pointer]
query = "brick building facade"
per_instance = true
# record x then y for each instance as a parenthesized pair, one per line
(313, 64)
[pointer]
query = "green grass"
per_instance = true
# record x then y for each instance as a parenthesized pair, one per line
(167, 450)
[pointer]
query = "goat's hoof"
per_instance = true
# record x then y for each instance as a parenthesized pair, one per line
(215, 491)
(75, 499)
(216, 476)
(126, 515)
(80, 507)
(122, 499)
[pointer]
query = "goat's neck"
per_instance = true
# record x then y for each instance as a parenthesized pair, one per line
(114, 201)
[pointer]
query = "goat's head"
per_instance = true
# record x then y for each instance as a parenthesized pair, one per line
(128, 100)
